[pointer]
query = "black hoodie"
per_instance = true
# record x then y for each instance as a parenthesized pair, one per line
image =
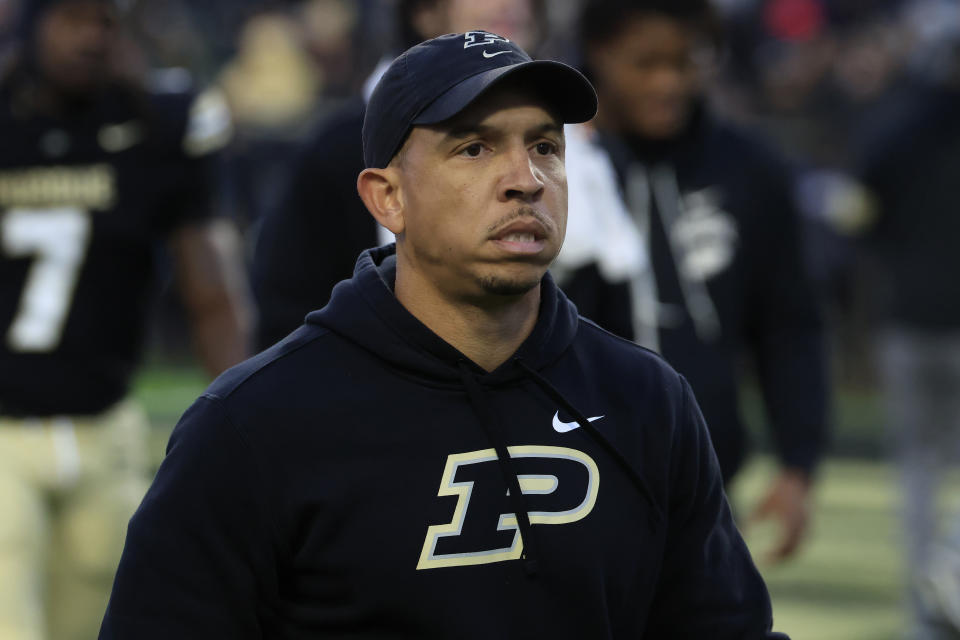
(345, 483)
(724, 242)
(912, 164)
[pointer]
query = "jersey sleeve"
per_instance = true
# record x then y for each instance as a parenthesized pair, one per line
(708, 586)
(194, 129)
(200, 553)
(786, 333)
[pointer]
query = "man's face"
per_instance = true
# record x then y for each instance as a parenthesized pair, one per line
(647, 77)
(74, 44)
(484, 197)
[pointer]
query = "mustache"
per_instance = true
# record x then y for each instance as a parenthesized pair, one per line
(522, 212)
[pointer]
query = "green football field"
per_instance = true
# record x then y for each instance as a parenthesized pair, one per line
(845, 584)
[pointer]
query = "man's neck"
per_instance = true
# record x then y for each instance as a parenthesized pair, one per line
(488, 334)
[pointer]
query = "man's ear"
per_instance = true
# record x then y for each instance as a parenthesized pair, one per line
(380, 191)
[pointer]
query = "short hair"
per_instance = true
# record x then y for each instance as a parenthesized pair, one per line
(603, 19)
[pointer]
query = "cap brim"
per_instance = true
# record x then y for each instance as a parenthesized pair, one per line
(569, 94)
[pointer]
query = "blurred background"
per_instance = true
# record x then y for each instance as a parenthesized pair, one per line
(819, 77)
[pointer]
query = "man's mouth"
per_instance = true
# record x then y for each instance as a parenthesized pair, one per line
(519, 237)
(523, 237)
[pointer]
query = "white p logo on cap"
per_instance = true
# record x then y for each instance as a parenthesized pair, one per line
(471, 39)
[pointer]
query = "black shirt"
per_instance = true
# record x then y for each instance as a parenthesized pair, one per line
(83, 201)
(310, 241)
(912, 165)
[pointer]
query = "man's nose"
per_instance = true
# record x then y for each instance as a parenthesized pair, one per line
(521, 179)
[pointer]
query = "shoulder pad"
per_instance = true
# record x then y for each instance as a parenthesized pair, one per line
(209, 124)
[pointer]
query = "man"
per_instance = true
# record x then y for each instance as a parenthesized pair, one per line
(361, 478)
(310, 241)
(721, 274)
(94, 171)
(911, 166)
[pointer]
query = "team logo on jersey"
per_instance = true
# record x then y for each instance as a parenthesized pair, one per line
(91, 186)
(704, 235)
(209, 126)
(114, 138)
(559, 485)
(483, 39)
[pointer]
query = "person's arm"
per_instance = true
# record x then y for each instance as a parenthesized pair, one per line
(200, 557)
(213, 285)
(192, 131)
(708, 585)
(789, 346)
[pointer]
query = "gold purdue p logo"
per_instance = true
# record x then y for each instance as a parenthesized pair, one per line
(560, 485)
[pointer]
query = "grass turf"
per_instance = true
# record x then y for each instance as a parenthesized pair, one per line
(845, 582)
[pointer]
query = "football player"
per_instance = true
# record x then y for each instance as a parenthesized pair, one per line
(95, 170)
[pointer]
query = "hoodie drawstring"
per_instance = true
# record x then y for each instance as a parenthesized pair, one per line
(644, 190)
(656, 514)
(696, 296)
(491, 426)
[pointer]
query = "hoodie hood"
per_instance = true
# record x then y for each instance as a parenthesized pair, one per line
(365, 311)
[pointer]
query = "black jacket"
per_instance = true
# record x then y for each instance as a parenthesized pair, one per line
(311, 240)
(346, 483)
(912, 166)
(731, 281)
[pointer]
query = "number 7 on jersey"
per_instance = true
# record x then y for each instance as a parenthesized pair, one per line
(57, 238)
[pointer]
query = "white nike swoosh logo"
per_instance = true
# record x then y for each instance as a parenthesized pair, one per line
(562, 427)
(490, 55)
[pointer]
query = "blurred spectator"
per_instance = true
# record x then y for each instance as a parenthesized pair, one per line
(716, 270)
(170, 36)
(270, 83)
(273, 86)
(813, 75)
(311, 239)
(95, 170)
(7, 9)
(808, 70)
(912, 167)
(330, 31)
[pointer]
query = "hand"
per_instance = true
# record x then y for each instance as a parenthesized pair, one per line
(789, 502)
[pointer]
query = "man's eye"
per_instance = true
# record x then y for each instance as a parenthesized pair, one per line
(546, 148)
(473, 150)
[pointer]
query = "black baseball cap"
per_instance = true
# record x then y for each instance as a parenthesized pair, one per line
(435, 80)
